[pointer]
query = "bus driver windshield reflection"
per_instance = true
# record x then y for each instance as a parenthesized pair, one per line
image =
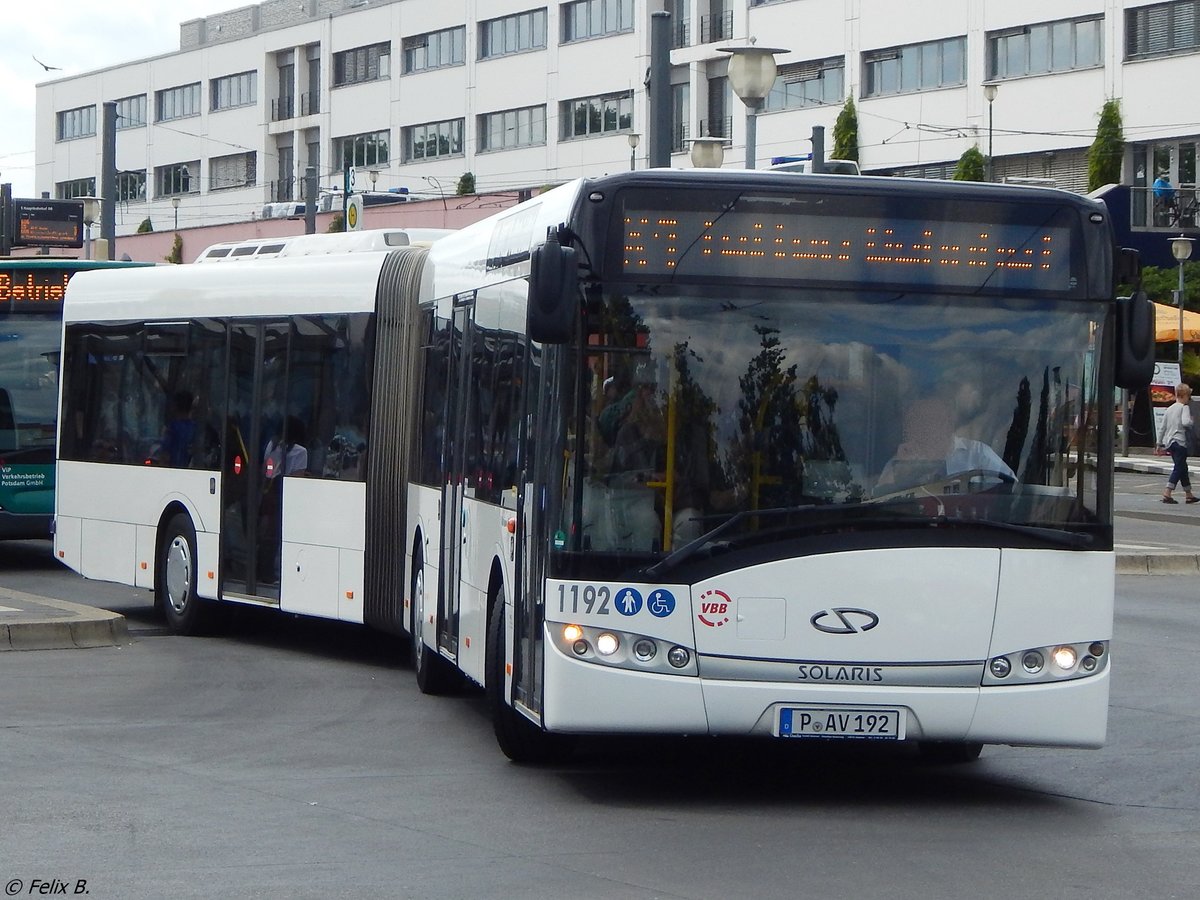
(699, 407)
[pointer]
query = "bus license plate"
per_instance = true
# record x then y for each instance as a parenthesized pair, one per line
(841, 722)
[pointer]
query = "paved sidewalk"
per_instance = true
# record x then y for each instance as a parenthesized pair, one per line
(30, 622)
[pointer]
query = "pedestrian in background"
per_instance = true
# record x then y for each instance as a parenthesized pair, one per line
(1175, 439)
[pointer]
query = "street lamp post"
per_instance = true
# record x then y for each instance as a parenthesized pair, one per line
(634, 140)
(751, 74)
(708, 152)
(175, 206)
(91, 214)
(989, 93)
(1181, 249)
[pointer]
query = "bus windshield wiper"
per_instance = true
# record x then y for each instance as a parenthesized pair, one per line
(888, 513)
(689, 549)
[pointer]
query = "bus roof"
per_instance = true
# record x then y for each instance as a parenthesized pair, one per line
(374, 239)
(62, 262)
(298, 286)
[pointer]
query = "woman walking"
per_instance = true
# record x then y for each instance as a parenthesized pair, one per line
(1176, 426)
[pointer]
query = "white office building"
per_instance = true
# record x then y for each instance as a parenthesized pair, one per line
(521, 95)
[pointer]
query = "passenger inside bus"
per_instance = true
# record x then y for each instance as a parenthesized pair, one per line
(932, 450)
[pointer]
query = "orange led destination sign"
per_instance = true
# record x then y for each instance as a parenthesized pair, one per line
(858, 250)
(32, 287)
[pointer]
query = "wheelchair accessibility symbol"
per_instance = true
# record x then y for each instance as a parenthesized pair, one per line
(660, 603)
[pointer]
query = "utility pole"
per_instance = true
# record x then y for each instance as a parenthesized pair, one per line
(310, 200)
(659, 146)
(108, 178)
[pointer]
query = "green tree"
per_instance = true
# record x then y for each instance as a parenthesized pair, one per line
(146, 226)
(176, 254)
(466, 184)
(1160, 284)
(970, 165)
(337, 224)
(1104, 156)
(845, 132)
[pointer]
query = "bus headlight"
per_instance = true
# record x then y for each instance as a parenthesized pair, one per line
(607, 643)
(621, 650)
(1065, 658)
(1056, 662)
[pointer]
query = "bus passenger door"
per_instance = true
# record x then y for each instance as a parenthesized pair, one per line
(251, 528)
(457, 440)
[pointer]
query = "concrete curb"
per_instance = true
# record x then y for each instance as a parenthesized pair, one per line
(58, 625)
(1158, 564)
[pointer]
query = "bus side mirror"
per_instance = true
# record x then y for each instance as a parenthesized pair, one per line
(1134, 342)
(553, 293)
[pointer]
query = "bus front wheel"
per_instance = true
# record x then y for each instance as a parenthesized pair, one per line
(520, 739)
(434, 674)
(175, 579)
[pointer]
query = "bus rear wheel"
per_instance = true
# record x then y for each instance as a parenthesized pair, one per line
(434, 674)
(175, 580)
(520, 739)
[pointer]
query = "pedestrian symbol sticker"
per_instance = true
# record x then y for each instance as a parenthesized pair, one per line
(629, 602)
(660, 603)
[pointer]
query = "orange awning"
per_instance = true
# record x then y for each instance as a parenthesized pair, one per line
(1166, 324)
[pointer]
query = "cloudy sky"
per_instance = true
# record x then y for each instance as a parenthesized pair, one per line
(76, 36)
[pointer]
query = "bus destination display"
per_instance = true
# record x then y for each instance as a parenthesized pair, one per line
(851, 249)
(48, 223)
(32, 287)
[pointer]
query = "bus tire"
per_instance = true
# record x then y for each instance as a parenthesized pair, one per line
(434, 673)
(520, 740)
(175, 580)
(949, 752)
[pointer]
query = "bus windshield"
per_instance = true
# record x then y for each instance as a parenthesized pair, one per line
(700, 406)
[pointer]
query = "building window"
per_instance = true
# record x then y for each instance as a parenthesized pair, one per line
(358, 150)
(234, 90)
(817, 83)
(131, 112)
(916, 67)
(1044, 48)
(1161, 29)
(131, 186)
(433, 139)
(513, 128)
(434, 50)
(80, 187)
(76, 123)
(589, 116)
(513, 34)
(235, 171)
(177, 102)
(362, 64)
(584, 19)
(177, 178)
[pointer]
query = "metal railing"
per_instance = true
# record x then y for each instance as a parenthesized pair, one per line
(310, 103)
(283, 108)
(679, 137)
(282, 190)
(1178, 209)
(722, 128)
(718, 27)
(681, 35)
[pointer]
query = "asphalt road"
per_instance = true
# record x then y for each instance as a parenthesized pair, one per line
(297, 759)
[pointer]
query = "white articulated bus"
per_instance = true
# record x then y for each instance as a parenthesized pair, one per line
(684, 452)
